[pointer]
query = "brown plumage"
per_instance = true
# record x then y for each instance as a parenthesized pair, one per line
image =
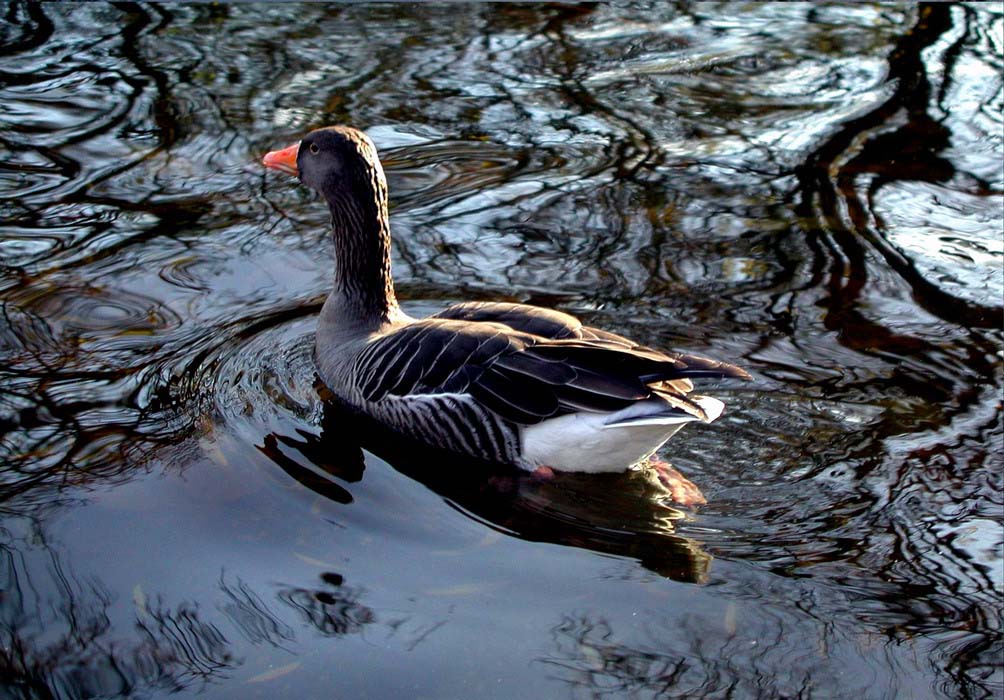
(505, 382)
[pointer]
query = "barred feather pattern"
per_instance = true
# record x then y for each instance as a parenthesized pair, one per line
(360, 226)
(454, 422)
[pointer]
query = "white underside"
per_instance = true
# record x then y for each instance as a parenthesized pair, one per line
(604, 442)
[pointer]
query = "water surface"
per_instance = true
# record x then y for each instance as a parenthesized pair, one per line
(812, 191)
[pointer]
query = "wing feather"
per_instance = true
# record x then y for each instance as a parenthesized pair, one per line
(522, 377)
(518, 402)
(426, 357)
(535, 320)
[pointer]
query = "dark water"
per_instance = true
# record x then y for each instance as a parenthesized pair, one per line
(813, 191)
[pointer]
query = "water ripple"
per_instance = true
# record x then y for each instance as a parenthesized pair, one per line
(812, 191)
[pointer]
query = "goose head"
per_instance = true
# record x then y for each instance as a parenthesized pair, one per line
(339, 162)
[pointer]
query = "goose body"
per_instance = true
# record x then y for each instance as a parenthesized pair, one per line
(509, 383)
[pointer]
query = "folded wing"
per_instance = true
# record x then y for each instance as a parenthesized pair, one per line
(527, 377)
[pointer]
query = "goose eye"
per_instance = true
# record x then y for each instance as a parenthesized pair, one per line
(313, 148)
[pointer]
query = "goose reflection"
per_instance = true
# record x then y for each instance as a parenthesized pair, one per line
(618, 514)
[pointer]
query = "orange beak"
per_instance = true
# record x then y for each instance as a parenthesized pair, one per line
(284, 160)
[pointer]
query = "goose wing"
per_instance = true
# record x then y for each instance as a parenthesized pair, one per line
(557, 325)
(522, 377)
(536, 320)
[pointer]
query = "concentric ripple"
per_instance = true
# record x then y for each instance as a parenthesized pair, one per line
(812, 191)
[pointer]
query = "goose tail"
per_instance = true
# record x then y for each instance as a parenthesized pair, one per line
(657, 412)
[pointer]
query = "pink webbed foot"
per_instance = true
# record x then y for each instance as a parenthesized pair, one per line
(510, 483)
(542, 473)
(681, 489)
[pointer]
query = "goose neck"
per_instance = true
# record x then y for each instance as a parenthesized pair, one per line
(361, 233)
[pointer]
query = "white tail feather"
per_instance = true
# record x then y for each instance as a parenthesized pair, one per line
(604, 442)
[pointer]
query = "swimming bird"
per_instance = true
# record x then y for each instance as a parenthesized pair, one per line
(507, 383)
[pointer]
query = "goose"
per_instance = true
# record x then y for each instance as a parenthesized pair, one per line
(506, 383)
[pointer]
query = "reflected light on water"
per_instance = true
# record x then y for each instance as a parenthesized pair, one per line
(811, 191)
